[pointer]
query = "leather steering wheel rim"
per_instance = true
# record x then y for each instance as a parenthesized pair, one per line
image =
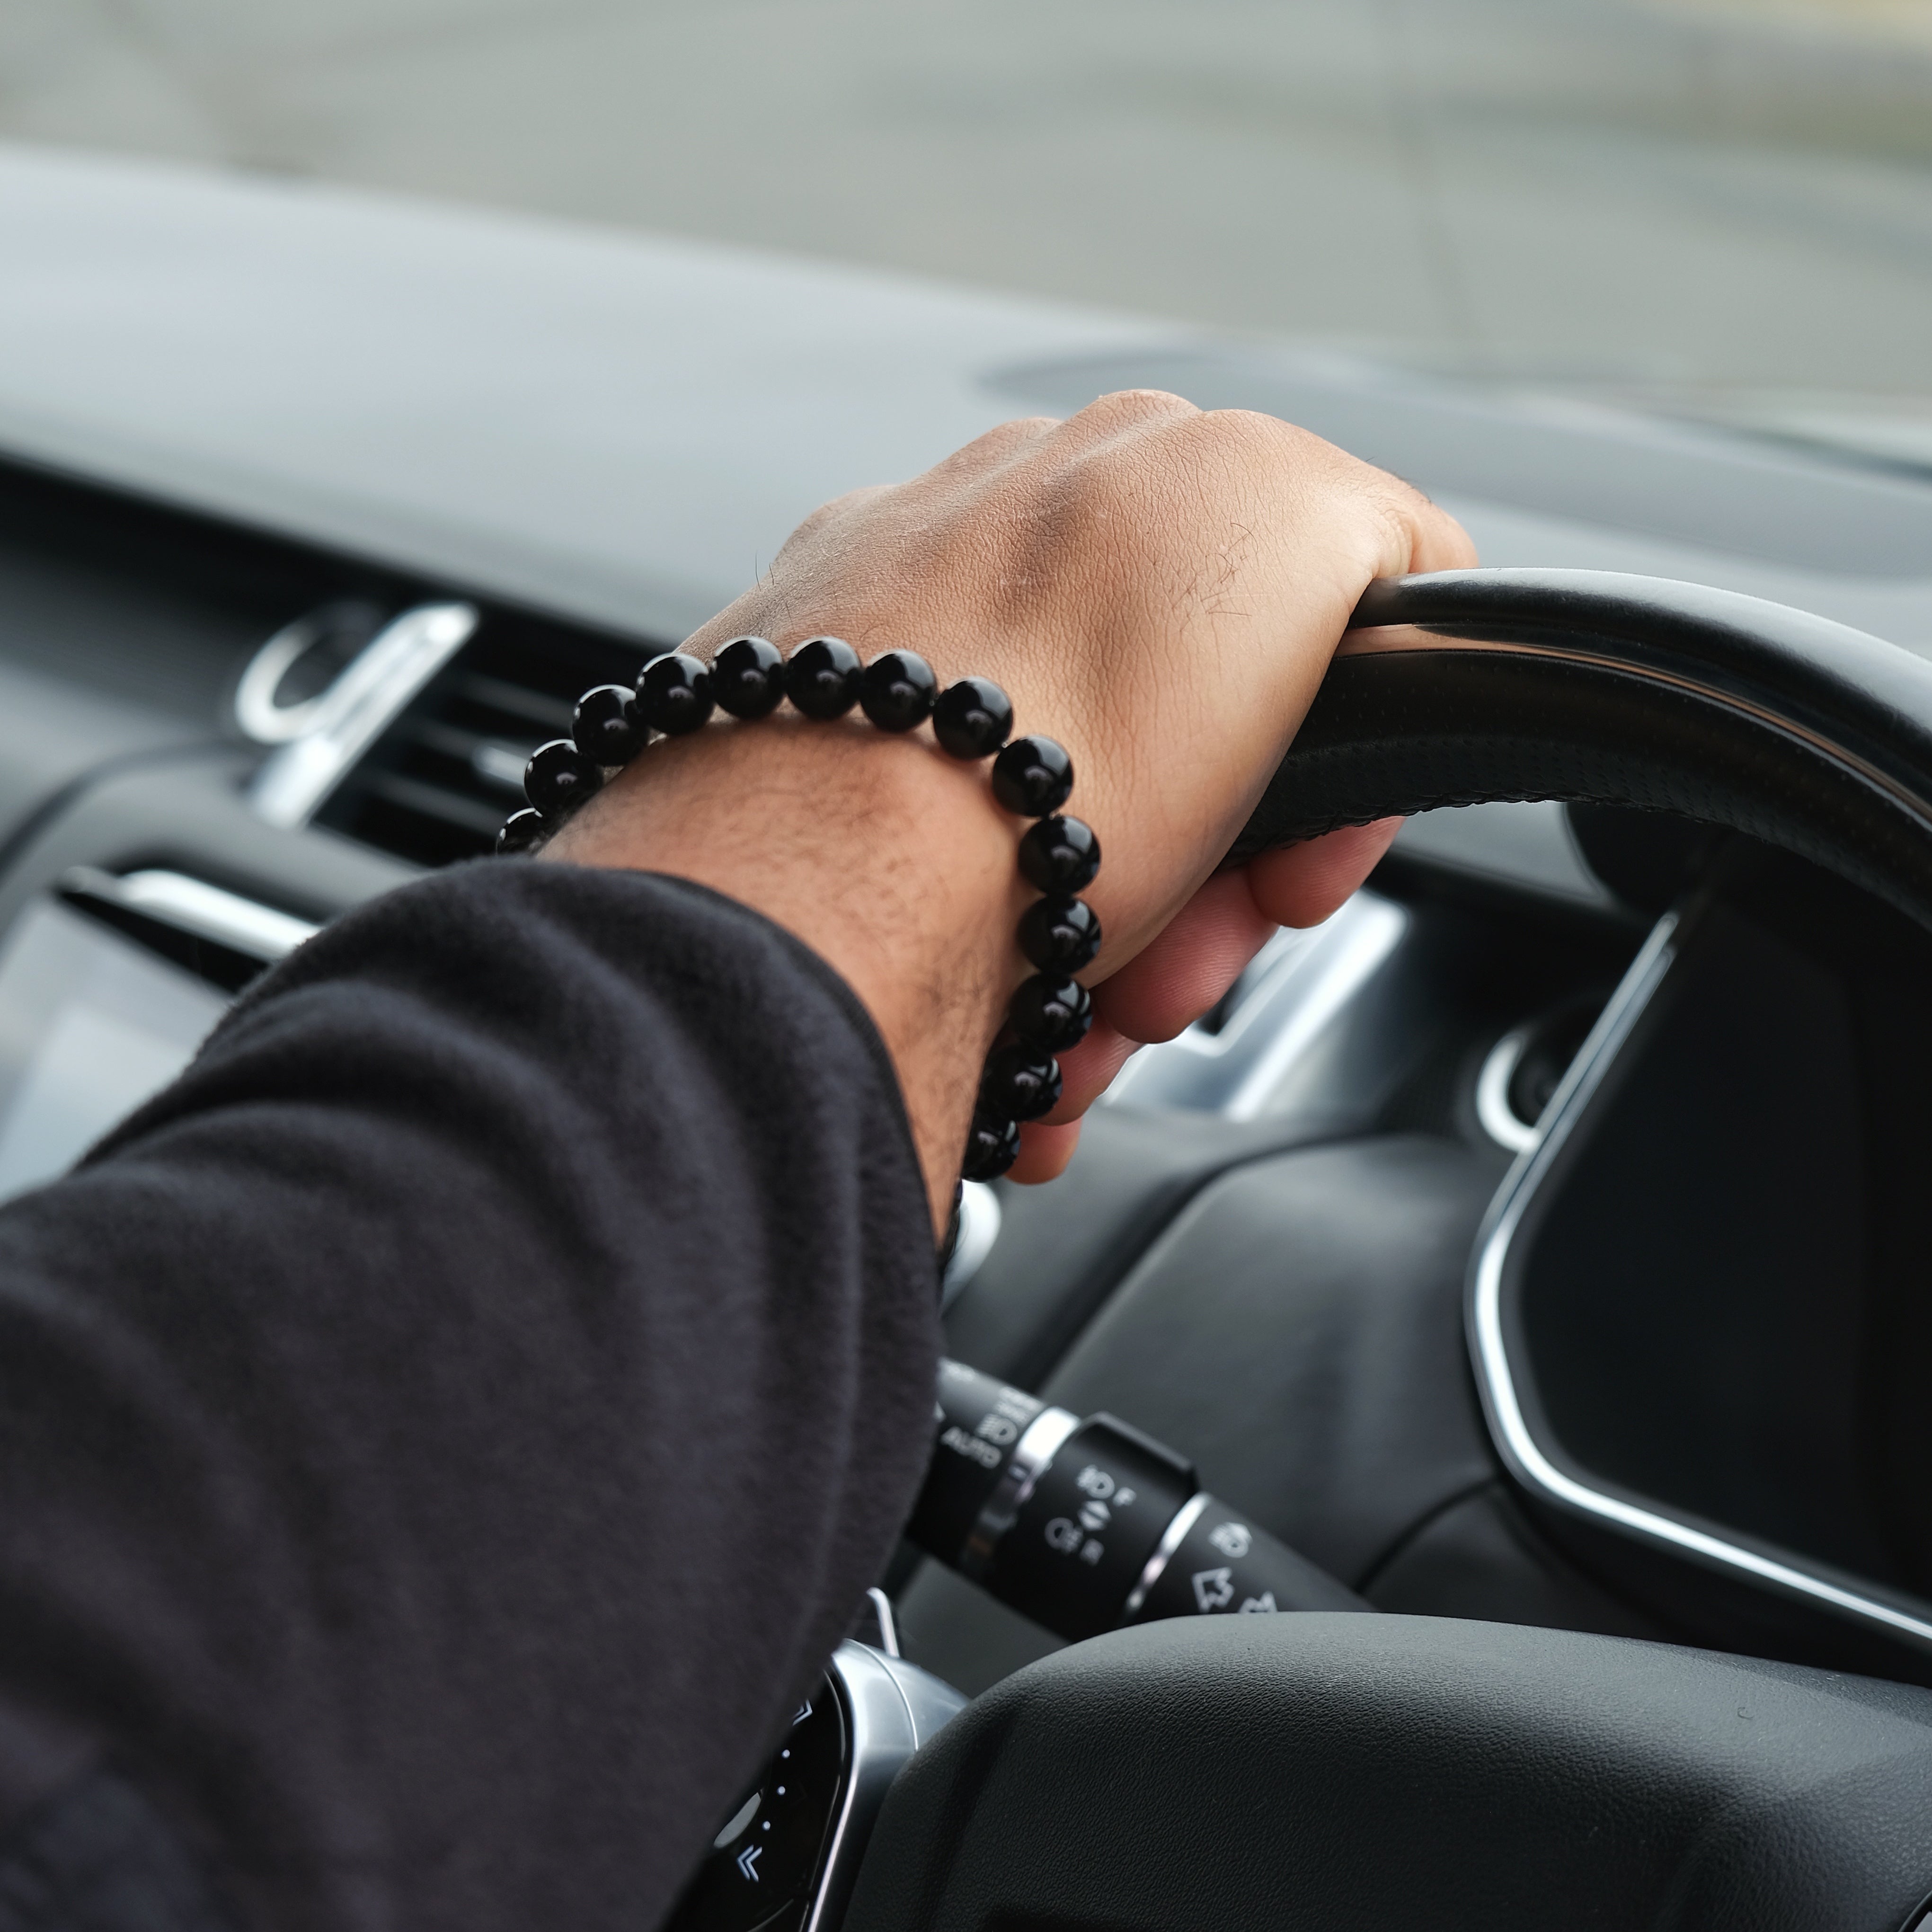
(1468, 687)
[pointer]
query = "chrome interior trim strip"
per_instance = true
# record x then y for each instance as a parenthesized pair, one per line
(194, 907)
(1412, 639)
(882, 1611)
(1527, 1459)
(1163, 1553)
(884, 1730)
(1044, 1437)
(295, 782)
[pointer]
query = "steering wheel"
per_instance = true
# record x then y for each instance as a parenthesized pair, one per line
(1344, 1771)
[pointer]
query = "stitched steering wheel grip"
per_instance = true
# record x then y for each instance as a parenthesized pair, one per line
(1465, 687)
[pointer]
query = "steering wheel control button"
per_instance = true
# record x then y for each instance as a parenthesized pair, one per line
(1051, 1011)
(607, 728)
(1032, 778)
(980, 1421)
(1086, 1526)
(1080, 1541)
(1223, 1565)
(559, 778)
(972, 719)
(1060, 935)
(674, 694)
(1021, 1083)
(823, 677)
(898, 691)
(762, 1864)
(1060, 855)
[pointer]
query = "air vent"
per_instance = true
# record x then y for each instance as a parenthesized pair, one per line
(438, 783)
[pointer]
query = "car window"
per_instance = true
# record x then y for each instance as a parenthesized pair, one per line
(1719, 208)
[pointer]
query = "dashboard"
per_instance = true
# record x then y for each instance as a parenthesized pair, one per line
(279, 627)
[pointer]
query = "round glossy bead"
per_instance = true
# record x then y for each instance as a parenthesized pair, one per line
(971, 719)
(1051, 1011)
(991, 1147)
(1020, 1081)
(747, 677)
(1060, 855)
(521, 830)
(558, 777)
(607, 728)
(1032, 778)
(897, 691)
(674, 693)
(1060, 935)
(822, 677)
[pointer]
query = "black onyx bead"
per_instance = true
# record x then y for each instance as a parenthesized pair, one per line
(521, 830)
(971, 719)
(1020, 1081)
(1052, 1011)
(607, 727)
(1060, 934)
(674, 693)
(822, 677)
(747, 677)
(1032, 777)
(898, 690)
(1060, 855)
(559, 777)
(991, 1147)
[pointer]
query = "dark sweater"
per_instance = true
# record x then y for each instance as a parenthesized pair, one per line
(441, 1435)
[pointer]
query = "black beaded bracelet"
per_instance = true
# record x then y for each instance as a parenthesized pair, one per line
(1032, 778)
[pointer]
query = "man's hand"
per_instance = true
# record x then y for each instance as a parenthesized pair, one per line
(1158, 588)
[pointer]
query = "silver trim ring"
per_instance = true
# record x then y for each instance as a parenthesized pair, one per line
(1527, 1458)
(1044, 1437)
(1185, 1518)
(1497, 1118)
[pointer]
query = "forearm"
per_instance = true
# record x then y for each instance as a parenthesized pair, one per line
(437, 1435)
(886, 858)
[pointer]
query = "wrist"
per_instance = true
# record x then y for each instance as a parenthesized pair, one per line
(887, 857)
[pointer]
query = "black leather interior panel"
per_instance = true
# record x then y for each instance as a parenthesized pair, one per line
(53, 735)
(1299, 1331)
(1063, 1250)
(1348, 1773)
(1480, 1557)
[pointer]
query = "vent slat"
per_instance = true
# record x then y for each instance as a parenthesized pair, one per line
(435, 786)
(551, 714)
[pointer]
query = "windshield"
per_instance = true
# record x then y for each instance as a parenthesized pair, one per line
(1723, 207)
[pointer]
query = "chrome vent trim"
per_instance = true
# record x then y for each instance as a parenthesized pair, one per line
(448, 769)
(192, 907)
(295, 782)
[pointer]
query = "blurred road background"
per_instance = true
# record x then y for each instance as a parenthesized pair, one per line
(1725, 204)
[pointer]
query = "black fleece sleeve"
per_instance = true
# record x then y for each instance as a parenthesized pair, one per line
(441, 1435)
